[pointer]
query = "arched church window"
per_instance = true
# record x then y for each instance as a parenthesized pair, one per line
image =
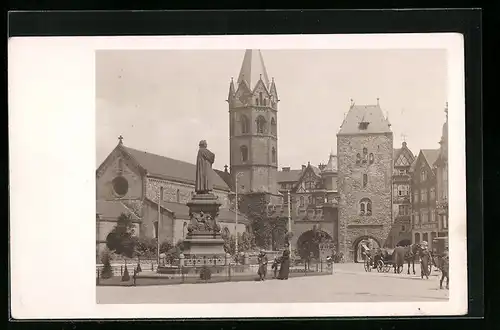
(358, 159)
(365, 155)
(256, 101)
(244, 153)
(365, 180)
(261, 124)
(245, 124)
(365, 206)
(273, 126)
(178, 196)
(371, 158)
(265, 102)
(273, 155)
(260, 98)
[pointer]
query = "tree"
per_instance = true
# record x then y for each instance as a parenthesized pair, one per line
(106, 271)
(121, 240)
(145, 247)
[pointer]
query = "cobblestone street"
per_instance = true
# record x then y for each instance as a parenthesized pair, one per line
(349, 283)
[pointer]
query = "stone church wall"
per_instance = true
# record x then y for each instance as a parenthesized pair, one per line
(104, 183)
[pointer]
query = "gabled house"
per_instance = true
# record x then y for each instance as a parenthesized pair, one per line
(423, 187)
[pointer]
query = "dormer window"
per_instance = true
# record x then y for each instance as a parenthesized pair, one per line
(363, 125)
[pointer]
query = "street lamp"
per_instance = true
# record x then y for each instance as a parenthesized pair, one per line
(289, 222)
(236, 212)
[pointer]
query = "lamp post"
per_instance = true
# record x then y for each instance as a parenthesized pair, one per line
(236, 212)
(289, 221)
(160, 193)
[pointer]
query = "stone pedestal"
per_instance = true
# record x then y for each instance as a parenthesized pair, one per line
(204, 235)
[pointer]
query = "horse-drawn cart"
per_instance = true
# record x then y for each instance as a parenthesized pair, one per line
(385, 260)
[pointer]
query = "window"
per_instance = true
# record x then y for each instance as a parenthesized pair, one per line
(273, 126)
(256, 101)
(265, 102)
(403, 190)
(415, 197)
(433, 193)
(445, 221)
(365, 155)
(402, 172)
(261, 125)
(301, 200)
(432, 216)
(365, 180)
(403, 210)
(423, 196)
(178, 196)
(372, 159)
(358, 159)
(416, 218)
(273, 155)
(260, 98)
(425, 237)
(417, 238)
(424, 216)
(403, 228)
(310, 200)
(365, 207)
(120, 186)
(244, 124)
(319, 200)
(244, 153)
(310, 185)
(423, 176)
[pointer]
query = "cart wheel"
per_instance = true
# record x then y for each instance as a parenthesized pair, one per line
(367, 265)
(387, 268)
(380, 266)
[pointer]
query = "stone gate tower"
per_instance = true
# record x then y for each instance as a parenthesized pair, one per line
(365, 162)
(253, 127)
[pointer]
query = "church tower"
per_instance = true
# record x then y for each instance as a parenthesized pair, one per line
(253, 123)
(365, 168)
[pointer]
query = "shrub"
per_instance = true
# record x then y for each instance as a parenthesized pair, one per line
(107, 271)
(126, 276)
(205, 273)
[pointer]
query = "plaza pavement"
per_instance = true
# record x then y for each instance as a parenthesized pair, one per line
(348, 283)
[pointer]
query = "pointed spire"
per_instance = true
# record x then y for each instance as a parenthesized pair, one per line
(253, 69)
(231, 89)
(378, 101)
(446, 111)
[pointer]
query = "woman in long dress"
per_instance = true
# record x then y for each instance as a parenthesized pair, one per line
(262, 258)
(285, 264)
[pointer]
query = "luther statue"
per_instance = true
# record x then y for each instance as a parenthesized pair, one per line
(204, 163)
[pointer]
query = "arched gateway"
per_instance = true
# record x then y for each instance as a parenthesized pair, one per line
(370, 241)
(309, 242)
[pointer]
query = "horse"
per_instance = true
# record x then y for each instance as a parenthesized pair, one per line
(412, 254)
(398, 258)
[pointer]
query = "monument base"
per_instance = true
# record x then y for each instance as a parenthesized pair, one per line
(204, 237)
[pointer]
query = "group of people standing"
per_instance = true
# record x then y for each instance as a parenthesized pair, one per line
(282, 262)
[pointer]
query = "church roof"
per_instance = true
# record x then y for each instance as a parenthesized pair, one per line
(371, 114)
(253, 69)
(169, 168)
(226, 176)
(111, 209)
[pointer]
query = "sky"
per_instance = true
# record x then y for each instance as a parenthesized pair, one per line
(166, 101)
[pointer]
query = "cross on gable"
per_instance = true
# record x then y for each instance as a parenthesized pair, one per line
(120, 138)
(403, 137)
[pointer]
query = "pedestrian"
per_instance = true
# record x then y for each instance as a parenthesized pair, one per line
(276, 262)
(262, 259)
(285, 264)
(445, 265)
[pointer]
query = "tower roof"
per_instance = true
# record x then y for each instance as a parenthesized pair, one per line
(372, 117)
(332, 164)
(253, 69)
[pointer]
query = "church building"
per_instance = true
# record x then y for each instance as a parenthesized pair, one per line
(129, 181)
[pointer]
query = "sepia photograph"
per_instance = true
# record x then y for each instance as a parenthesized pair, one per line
(271, 176)
(239, 176)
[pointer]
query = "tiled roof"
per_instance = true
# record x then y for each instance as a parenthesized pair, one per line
(289, 176)
(226, 176)
(170, 168)
(110, 209)
(365, 113)
(431, 155)
(332, 164)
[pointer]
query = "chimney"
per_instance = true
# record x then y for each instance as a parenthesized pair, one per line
(285, 169)
(225, 168)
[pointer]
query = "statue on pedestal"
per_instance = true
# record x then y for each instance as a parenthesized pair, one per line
(204, 162)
